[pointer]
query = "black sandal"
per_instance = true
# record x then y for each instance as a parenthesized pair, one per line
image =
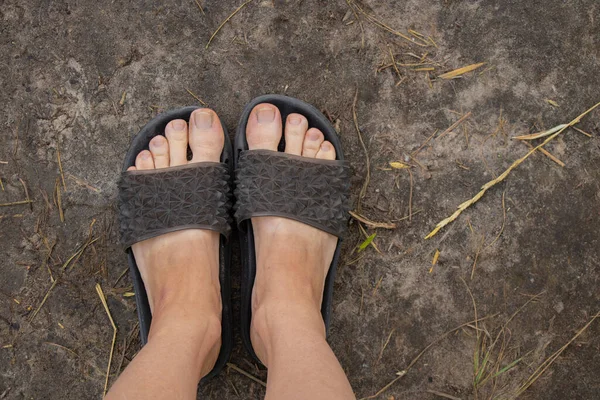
(274, 183)
(158, 201)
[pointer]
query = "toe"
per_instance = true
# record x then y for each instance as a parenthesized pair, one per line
(159, 147)
(263, 130)
(295, 129)
(132, 168)
(177, 134)
(312, 142)
(206, 135)
(326, 151)
(144, 160)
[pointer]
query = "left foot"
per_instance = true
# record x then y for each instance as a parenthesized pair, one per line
(292, 258)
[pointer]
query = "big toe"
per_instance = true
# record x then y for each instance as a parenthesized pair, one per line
(263, 130)
(206, 135)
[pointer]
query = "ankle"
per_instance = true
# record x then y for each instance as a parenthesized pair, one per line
(199, 333)
(280, 320)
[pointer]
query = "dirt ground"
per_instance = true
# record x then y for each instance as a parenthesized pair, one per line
(79, 78)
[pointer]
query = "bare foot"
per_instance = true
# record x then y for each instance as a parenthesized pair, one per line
(180, 269)
(292, 258)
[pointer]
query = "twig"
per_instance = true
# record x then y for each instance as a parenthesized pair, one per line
(503, 176)
(372, 224)
(394, 64)
(114, 339)
(196, 97)
(582, 132)
(414, 153)
(477, 256)
(226, 20)
(546, 153)
(246, 374)
(200, 7)
(58, 199)
(363, 190)
(410, 195)
(454, 125)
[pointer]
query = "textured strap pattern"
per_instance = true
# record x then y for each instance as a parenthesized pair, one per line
(155, 202)
(311, 191)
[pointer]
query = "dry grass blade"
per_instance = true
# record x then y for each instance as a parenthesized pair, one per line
(69, 261)
(402, 373)
(363, 190)
(16, 203)
(360, 24)
(60, 168)
(542, 134)
(419, 41)
(224, 22)
(503, 221)
(503, 176)
(398, 165)
(198, 99)
(246, 374)
(58, 198)
(62, 347)
(372, 224)
(444, 395)
(460, 71)
(387, 341)
(550, 360)
(83, 183)
(114, 339)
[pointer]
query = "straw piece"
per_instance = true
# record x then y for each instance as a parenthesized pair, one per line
(372, 224)
(224, 22)
(460, 71)
(114, 339)
(503, 176)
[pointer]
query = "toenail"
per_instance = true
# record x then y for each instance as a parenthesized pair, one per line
(325, 147)
(313, 135)
(203, 119)
(295, 120)
(145, 156)
(178, 125)
(157, 142)
(265, 115)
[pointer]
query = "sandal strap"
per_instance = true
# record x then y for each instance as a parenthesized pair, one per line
(192, 196)
(309, 190)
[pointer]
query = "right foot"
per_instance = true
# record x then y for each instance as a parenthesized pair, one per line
(293, 258)
(180, 269)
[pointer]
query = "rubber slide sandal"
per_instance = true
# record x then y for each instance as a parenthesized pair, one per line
(274, 183)
(192, 196)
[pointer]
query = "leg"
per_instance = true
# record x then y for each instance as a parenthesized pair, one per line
(287, 332)
(181, 275)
